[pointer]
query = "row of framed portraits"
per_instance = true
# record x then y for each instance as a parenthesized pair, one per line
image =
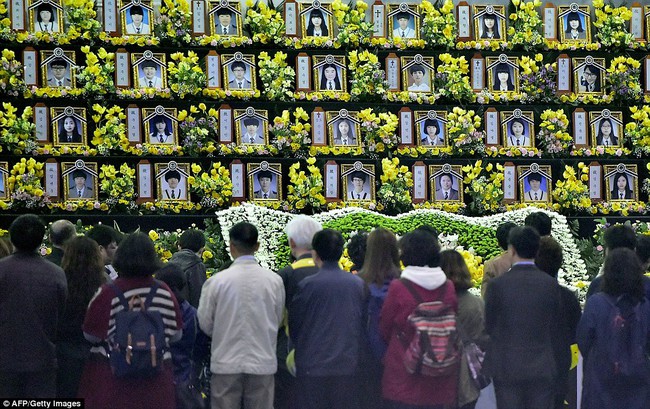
(320, 72)
(315, 19)
(159, 125)
(352, 182)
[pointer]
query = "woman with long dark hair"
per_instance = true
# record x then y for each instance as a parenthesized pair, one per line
(490, 27)
(502, 78)
(84, 270)
(574, 29)
(68, 131)
(316, 26)
(330, 79)
(613, 336)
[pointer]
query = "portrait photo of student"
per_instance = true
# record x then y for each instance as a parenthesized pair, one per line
(226, 19)
(329, 73)
(358, 182)
(445, 189)
(431, 129)
(489, 22)
(620, 187)
(343, 129)
(136, 19)
(503, 73)
(403, 25)
(358, 190)
(403, 21)
(59, 74)
(46, 17)
(149, 75)
(172, 181)
(417, 74)
(575, 23)
(69, 126)
(239, 71)
(534, 184)
(161, 130)
(251, 131)
(264, 181)
(517, 129)
(79, 181)
(4, 192)
(606, 128)
(316, 19)
(589, 75)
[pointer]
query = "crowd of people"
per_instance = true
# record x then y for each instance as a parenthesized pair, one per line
(312, 335)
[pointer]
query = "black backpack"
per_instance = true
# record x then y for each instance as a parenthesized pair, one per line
(138, 344)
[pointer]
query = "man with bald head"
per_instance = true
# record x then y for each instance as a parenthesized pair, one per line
(60, 232)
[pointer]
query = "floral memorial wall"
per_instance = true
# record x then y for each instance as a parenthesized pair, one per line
(190, 107)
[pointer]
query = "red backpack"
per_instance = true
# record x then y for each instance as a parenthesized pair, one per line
(435, 348)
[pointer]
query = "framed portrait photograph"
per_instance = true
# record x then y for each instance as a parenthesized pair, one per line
(503, 74)
(446, 183)
(518, 128)
(160, 125)
(646, 13)
(252, 126)
(136, 17)
(431, 128)
(149, 70)
(239, 71)
(57, 68)
(606, 128)
(171, 180)
(535, 183)
(79, 180)
(69, 126)
(264, 181)
(489, 22)
(621, 182)
(4, 173)
(225, 18)
(358, 182)
(417, 73)
(404, 21)
(343, 128)
(575, 23)
(330, 73)
(45, 16)
(316, 19)
(589, 75)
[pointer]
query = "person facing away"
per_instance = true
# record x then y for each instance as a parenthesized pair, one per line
(613, 336)
(470, 319)
(325, 325)
(241, 308)
(539, 221)
(300, 232)
(84, 270)
(522, 308)
(380, 267)
(188, 258)
(498, 265)
(549, 260)
(420, 254)
(60, 232)
(357, 251)
(32, 301)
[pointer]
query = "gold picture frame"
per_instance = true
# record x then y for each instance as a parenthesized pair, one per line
(239, 72)
(418, 73)
(316, 10)
(358, 181)
(589, 75)
(621, 192)
(581, 31)
(603, 135)
(264, 181)
(503, 64)
(326, 65)
(172, 181)
(231, 13)
(149, 70)
(87, 177)
(69, 126)
(248, 123)
(4, 173)
(141, 8)
(529, 176)
(409, 26)
(340, 135)
(160, 125)
(518, 128)
(446, 183)
(57, 68)
(37, 13)
(437, 121)
(485, 13)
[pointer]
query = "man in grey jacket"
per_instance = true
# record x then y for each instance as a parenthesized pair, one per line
(188, 258)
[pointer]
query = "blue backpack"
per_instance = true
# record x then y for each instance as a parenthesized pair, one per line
(625, 343)
(138, 344)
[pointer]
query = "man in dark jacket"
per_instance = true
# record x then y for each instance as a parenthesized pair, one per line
(32, 298)
(60, 232)
(190, 246)
(325, 324)
(521, 316)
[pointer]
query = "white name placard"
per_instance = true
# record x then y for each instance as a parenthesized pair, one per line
(214, 74)
(509, 183)
(464, 30)
(492, 127)
(636, 24)
(595, 181)
(110, 16)
(122, 69)
(290, 19)
(419, 182)
(318, 128)
(237, 173)
(478, 74)
(144, 180)
(379, 20)
(41, 122)
(331, 181)
(580, 128)
(133, 124)
(647, 75)
(406, 127)
(198, 17)
(563, 74)
(550, 20)
(225, 125)
(30, 68)
(303, 72)
(17, 11)
(392, 73)
(51, 177)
